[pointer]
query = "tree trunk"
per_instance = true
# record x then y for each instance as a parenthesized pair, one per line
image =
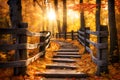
(64, 28)
(114, 50)
(57, 16)
(15, 12)
(82, 20)
(98, 2)
(101, 53)
(16, 19)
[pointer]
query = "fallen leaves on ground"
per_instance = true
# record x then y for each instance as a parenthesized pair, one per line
(85, 65)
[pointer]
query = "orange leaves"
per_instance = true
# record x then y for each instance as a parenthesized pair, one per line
(53, 46)
(117, 3)
(86, 65)
(84, 7)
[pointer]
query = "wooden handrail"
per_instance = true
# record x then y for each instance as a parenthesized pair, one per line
(22, 46)
(20, 63)
(22, 31)
(101, 46)
(70, 35)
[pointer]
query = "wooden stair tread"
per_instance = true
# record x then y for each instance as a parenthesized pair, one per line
(61, 74)
(60, 66)
(63, 60)
(65, 78)
(68, 53)
(74, 47)
(66, 56)
(60, 79)
(67, 50)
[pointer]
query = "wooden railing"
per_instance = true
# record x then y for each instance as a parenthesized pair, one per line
(101, 45)
(68, 35)
(21, 46)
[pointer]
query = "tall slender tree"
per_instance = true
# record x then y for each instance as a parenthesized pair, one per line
(101, 53)
(16, 20)
(82, 20)
(114, 50)
(15, 12)
(57, 16)
(64, 28)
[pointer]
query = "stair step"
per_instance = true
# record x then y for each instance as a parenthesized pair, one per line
(68, 50)
(60, 66)
(61, 79)
(65, 79)
(61, 74)
(66, 56)
(63, 60)
(67, 46)
(68, 53)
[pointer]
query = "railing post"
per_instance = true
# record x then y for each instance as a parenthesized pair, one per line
(102, 52)
(65, 36)
(72, 34)
(42, 47)
(56, 35)
(21, 54)
(86, 36)
(59, 35)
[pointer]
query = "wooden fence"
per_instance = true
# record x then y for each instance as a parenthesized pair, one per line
(68, 35)
(21, 46)
(101, 47)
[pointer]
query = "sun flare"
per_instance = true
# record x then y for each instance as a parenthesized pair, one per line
(51, 15)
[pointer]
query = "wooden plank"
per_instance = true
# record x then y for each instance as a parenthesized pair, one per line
(81, 37)
(63, 60)
(45, 34)
(68, 53)
(13, 64)
(89, 50)
(81, 42)
(98, 45)
(91, 32)
(95, 60)
(93, 43)
(68, 50)
(64, 74)
(18, 46)
(20, 63)
(34, 34)
(30, 60)
(66, 56)
(60, 66)
(22, 31)
(13, 31)
(81, 32)
(98, 33)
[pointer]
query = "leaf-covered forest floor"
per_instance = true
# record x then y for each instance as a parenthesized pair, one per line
(85, 65)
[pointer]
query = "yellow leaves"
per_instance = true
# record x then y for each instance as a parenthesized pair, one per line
(6, 72)
(115, 53)
(18, 78)
(3, 57)
(91, 71)
(40, 64)
(112, 70)
(85, 64)
(53, 46)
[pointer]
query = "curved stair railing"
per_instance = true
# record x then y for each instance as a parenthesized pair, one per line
(21, 46)
(101, 45)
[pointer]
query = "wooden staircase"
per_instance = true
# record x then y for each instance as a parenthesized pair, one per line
(64, 64)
